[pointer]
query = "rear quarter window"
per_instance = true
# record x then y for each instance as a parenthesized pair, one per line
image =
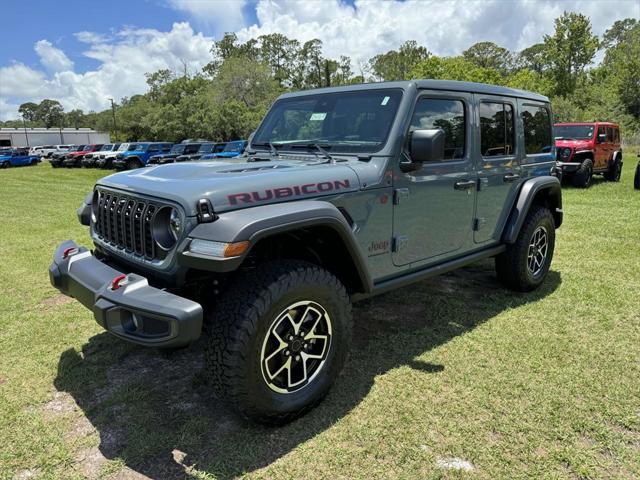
(537, 129)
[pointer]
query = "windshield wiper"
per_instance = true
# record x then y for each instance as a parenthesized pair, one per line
(308, 145)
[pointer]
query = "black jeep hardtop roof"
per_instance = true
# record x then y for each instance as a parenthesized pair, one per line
(449, 85)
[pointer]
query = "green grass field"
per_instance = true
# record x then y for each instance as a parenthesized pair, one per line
(453, 377)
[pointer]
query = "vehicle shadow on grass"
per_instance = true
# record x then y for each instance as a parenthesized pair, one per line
(155, 413)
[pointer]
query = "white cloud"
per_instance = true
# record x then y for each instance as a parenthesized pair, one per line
(90, 37)
(123, 64)
(360, 31)
(8, 111)
(227, 15)
(52, 58)
(445, 28)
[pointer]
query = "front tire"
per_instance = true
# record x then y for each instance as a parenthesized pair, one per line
(132, 164)
(278, 340)
(582, 177)
(5, 165)
(525, 264)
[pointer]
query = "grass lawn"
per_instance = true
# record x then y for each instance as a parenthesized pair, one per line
(453, 377)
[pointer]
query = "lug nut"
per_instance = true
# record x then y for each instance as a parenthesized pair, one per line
(290, 337)
(297, 358)
(287, 353)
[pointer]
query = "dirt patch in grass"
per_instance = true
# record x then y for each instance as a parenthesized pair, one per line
(59, 299)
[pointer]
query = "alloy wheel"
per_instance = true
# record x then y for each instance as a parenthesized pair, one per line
(538, 249)
(296, 347)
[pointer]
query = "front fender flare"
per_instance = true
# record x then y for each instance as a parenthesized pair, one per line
(550, 188)
(256, 223)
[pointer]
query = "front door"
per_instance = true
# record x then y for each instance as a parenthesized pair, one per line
(433, 206)
(498, 167)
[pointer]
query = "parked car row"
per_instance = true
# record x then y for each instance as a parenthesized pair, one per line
(127, 156)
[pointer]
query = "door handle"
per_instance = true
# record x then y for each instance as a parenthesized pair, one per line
(510, 177)
(464, 184)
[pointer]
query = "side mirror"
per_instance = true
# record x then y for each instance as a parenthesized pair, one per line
(602, 137)
(426, 145)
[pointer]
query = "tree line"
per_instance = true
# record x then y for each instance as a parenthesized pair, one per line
(227, 99)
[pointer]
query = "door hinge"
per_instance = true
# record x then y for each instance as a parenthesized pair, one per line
(479, 223)
(399, 194)
(483, 183)
(399, 243)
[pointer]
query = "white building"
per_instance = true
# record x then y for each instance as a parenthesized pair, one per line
(32, 137)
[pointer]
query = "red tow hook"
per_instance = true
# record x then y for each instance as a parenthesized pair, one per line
(117, 281)
(69, 251)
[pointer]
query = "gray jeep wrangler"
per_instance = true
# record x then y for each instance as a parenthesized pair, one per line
(343, 193)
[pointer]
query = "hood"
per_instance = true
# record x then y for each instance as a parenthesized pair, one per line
(574, 144)
(236, 184)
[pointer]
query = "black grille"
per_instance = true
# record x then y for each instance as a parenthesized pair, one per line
(125, 223)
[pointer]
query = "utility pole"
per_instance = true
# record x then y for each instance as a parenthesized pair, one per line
(26, 135)
(115, 128)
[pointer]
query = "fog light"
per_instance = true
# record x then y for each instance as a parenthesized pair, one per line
(217, 249)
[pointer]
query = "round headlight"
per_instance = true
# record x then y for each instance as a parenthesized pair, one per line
(565, 152)
(167, 225)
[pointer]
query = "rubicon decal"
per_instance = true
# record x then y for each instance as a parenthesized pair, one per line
(285, 192)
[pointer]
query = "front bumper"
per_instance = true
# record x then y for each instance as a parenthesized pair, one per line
(119, 163)
(135, 312)
(568, 167)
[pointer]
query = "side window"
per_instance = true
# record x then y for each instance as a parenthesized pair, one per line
(496, 129)
(609, 134)
(447, 115)
(537, 129)
(601, 131)
(616, 135)
(154, 148)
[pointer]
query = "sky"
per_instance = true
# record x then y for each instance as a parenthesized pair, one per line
(84, 52)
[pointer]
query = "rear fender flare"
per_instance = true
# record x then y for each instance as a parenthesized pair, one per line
(535, 190)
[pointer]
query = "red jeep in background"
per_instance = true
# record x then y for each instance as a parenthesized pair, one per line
(583, 149)
(74, 159)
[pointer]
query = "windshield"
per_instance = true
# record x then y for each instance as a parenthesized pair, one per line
(206, 148)
(574, 132)
(357, 121)
(106, 148)
(233, 147)
(123, 147)
(179, 148)
(77, 148)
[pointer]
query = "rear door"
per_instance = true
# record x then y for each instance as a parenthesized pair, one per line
(433, 206)
(497, 163)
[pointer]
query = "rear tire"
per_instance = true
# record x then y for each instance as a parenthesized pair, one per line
(5, 165)
(636, 178)
(582, 177)
(614, 172)
(258, 360)
(34, 163)
(525, 264)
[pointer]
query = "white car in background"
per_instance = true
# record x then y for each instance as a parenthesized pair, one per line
(48, 150)
(105, 159)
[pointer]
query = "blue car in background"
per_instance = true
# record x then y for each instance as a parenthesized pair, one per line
(139, 154)
(17, 157)
(232, 149)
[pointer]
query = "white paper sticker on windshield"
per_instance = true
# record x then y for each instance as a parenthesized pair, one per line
(318, 116)
(385, 100)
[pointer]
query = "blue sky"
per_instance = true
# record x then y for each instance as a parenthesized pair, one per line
(84, 52)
